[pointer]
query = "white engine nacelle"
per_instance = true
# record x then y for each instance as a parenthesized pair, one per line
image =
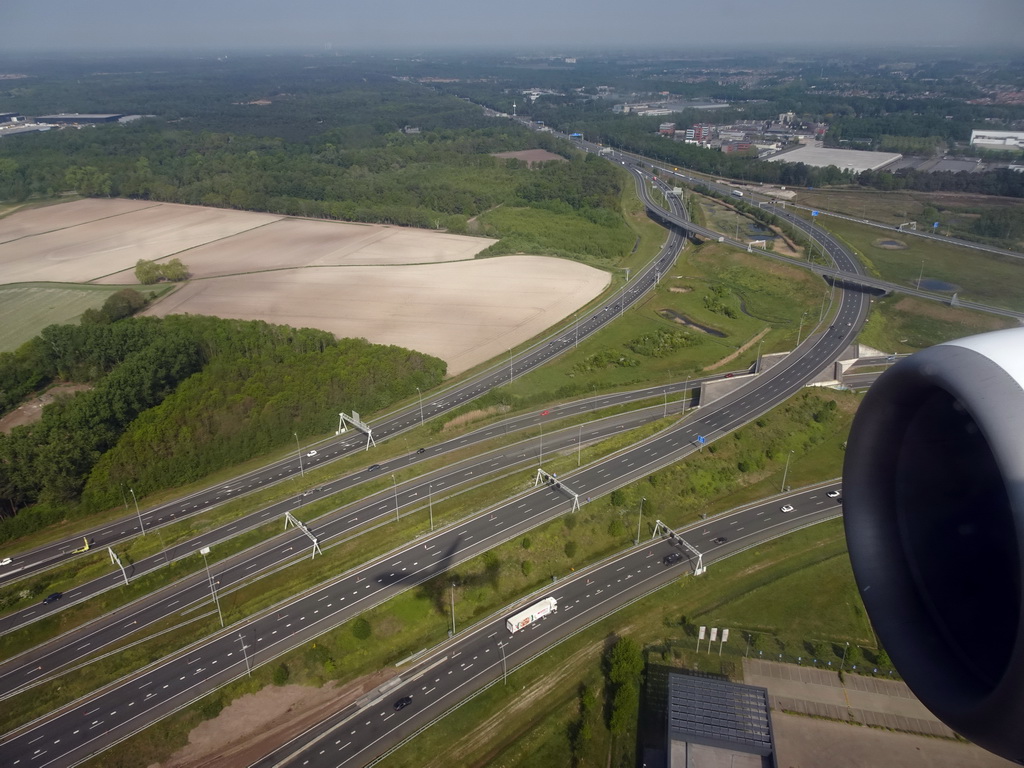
(933, 489)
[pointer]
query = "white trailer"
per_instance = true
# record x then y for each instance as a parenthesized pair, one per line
(536, 611)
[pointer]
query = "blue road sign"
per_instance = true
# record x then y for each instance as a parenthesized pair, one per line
(814, 213)
(701, 440)
(935, 225)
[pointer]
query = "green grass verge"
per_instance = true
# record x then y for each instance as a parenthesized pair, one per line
(735, 294)
(977, 276)
(906, 324)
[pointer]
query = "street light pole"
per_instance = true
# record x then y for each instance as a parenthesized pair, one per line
(430, 502)
(247, 667)
(299, 452)
(453, 608)
(638, 519)
(504, 665)
(396, 497)
(786, 472)
(421, 403)
(137, 512)
(577, 316)
(213, 587)
(800, 332)
(843, 662)
(510, 366)
(579, 448)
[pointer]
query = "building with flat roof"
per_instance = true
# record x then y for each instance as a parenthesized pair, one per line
(998, 139)
(78, 119)
(853, 160)
(714, 722)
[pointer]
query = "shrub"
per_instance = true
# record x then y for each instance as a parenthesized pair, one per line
(361, 629)
(281, 673)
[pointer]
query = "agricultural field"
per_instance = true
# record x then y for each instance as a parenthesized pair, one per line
(27, 308)
(392, 285)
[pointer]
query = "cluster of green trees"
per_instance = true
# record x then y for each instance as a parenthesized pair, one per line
(662, 342)
(149, 272)
(118, 306)
(174, 399)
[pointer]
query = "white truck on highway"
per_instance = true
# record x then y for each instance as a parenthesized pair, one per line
(737, 193)
(535, 612)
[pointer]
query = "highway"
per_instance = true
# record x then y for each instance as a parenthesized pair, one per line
(116, 712)
(357, 735)
(85, 728)
(47, 660)
(839, 273)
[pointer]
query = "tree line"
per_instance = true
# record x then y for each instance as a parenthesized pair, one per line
(174, 399)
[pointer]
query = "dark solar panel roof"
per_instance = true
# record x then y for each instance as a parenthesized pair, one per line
(719, 713)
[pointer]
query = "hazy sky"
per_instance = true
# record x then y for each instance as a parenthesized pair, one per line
(98, 25)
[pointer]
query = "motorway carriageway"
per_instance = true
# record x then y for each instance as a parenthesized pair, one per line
(113, 714)
(440, 681)
(45, 661)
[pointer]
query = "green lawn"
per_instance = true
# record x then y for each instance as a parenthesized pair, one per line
(906, 324)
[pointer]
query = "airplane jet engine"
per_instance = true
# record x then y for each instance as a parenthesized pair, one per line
(933, 492)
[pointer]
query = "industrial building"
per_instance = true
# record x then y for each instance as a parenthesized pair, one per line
(78, 119)
(1013, 140)
(713, 722)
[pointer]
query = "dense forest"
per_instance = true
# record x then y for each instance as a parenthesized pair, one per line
(174, 399)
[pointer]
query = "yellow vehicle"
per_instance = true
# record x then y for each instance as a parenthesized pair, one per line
(82, 549)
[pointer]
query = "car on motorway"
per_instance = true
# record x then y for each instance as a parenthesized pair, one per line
(787, 508)
(310, 454)
(52, 597)
(421, 450)
(719, 540)
(373, 467)
(729, 375)
(544, 413)
(6, 561)
(833, 494)
(671, 559)
(402, 703)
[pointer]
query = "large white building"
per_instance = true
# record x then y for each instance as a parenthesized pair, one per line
(998, 139)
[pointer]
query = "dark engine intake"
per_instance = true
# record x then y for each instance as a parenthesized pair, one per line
(933, 489)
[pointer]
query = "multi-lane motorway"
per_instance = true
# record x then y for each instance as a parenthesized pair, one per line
(359, 733)
(46, 660)
(82, 729)
(112, 714)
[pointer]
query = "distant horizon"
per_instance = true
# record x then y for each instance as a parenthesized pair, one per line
(891, 51)
(110, 26)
